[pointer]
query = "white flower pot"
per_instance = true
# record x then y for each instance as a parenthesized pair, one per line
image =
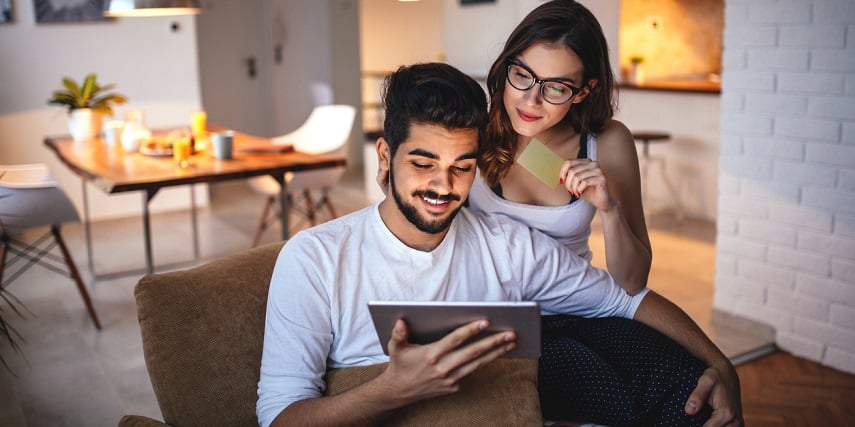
(637, 74)
(84, 124)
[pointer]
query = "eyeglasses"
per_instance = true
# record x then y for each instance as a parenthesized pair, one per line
(554, 91)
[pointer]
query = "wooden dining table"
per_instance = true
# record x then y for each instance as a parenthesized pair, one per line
(113, 171)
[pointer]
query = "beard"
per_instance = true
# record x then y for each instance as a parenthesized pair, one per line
(424, 223)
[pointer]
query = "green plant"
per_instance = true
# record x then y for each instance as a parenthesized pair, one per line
(635, 60)
(87, 95)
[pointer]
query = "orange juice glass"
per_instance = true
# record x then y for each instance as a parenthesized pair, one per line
(199, 123)
(181, 151)
(199, 129)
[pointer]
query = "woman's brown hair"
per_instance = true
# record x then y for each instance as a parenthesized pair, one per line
(555, 23)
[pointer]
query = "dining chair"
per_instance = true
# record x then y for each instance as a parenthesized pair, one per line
(325, 131)
(30, 198)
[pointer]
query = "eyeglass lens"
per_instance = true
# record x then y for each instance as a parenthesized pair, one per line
(552, 91)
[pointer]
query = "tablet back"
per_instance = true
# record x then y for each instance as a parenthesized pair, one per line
(430, 321)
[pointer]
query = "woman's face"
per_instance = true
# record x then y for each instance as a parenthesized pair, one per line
(530, 115)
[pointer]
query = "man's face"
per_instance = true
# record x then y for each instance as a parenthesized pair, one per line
(430, 177)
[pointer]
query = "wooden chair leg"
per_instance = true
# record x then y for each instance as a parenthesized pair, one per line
(72, 268)
(263, 223)
(328, 203)
(310, 207)
(4, 248)
(290, 211)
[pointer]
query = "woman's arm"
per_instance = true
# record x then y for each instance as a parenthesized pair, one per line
(612, 184)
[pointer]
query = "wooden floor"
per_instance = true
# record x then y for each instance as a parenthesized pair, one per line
(782, 390)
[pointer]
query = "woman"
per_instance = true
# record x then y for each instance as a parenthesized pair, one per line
(553, 83)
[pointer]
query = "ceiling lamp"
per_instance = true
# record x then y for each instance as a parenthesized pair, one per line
(123, 8)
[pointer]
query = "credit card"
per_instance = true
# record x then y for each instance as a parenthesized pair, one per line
(538, 159)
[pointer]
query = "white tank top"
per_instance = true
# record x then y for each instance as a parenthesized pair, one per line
(569, 224)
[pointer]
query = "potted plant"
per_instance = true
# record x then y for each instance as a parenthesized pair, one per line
(86, 104)
(636, 72)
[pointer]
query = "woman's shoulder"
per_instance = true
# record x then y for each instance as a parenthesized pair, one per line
(615, 144)
(613, 132)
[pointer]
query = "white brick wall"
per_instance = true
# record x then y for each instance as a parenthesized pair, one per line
(786, 235)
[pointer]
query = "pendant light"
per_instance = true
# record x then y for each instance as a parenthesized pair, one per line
(128, 8)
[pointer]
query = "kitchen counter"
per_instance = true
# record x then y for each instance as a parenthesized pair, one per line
(675, 85)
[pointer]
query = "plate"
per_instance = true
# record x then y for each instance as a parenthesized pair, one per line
(156, 151)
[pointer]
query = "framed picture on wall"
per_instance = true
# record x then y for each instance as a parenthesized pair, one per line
(69, 10)
(5, 11)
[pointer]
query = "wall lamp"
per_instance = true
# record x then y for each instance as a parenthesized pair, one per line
(129, 8)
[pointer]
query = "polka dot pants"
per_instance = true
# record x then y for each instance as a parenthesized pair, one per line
(615, 371)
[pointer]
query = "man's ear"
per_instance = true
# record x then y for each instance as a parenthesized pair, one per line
(586, 90)
(384, 159)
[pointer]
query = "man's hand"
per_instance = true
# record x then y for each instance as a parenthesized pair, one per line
(721, 391)
(418, 372)
(415, 373)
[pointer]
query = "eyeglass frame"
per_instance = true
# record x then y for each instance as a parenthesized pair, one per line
(574, 91)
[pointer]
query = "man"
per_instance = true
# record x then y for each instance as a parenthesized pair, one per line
(418, 244)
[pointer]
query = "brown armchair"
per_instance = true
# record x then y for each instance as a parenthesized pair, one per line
(202, 332)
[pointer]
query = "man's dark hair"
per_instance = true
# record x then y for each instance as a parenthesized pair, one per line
(432, 94)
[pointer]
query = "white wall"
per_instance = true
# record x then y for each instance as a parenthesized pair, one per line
(474, 34)
(303, 28)
(786, 222)
(690, 156)
(154, 66)
(392, 34)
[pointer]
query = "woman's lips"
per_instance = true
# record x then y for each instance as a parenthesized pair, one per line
(526, 117)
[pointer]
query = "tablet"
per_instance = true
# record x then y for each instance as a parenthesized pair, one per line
(430, 321)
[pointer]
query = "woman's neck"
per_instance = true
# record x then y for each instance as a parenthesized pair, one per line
(558, 138)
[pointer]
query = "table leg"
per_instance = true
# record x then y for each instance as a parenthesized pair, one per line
(195, 222)
(283, 204)
(149, 259)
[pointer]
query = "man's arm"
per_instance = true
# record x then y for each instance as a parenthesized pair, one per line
(719, 384)
(415, 373)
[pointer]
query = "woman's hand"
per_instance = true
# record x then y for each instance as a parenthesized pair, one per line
(584, 179)
(718, 388)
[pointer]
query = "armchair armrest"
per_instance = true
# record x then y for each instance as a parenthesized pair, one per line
(140, 421)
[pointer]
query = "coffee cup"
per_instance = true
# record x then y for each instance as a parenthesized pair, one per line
(222, 144)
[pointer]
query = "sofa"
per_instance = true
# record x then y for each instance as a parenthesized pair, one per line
(202, 332)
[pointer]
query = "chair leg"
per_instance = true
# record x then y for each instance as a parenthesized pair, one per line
(290, 211)
(310, 207)
(262, 225)
(72, 268)
(4, 248)
(328, 203)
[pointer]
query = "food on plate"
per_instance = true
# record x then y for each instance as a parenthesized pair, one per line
(159, 144)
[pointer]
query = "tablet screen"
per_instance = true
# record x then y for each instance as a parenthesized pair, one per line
(430, 321)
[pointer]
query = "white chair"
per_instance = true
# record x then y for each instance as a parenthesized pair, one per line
(30, 198)
(326, 131)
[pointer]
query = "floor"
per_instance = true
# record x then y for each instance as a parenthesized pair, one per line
(781, 390)
(66, 373)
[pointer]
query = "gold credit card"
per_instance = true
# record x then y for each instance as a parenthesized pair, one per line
(538, 159)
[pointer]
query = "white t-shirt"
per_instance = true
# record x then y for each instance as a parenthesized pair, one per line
(317, 314)
(569, 224)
